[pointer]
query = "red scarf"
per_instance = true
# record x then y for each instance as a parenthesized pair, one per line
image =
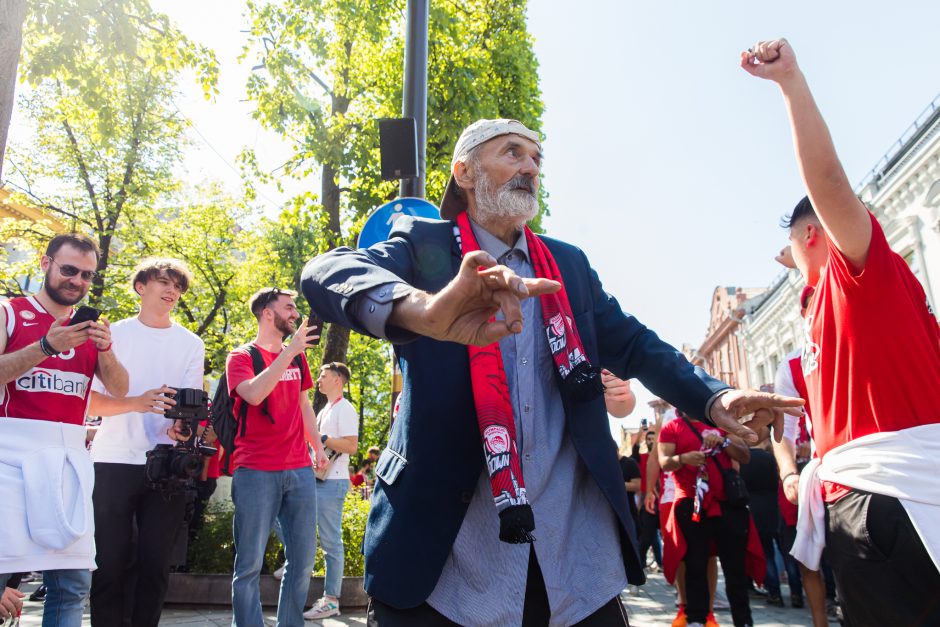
(580, 381)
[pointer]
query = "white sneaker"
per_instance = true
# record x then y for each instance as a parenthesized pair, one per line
(279, 573)
(323, 608)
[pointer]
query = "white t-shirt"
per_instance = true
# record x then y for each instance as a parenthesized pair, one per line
(338, 420)
(783, 384)
(153, 357)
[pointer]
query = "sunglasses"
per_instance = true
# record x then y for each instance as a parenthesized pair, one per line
(69, 271)
(269, 296)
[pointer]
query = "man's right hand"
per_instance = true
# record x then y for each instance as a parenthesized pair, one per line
(63, 337)
(11, 602)
(301, 341)
(649, 502)
(462, 312)
(791, 488)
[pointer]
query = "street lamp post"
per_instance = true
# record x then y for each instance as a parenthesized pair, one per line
(415, 88)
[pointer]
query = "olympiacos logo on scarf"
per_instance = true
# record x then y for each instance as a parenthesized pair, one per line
(496, 441)
(556, 333)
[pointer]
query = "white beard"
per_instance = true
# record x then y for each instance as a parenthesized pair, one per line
(503, 204)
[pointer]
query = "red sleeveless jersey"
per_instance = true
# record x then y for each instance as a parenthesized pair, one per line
(57, 389)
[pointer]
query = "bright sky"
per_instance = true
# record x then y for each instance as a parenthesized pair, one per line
(666, 162)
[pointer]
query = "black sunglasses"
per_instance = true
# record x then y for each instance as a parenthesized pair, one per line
(269, 296)
(69, 271)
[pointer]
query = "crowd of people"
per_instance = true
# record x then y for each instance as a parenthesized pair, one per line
(507, 343)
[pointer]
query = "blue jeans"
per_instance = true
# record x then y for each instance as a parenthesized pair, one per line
(66, 591)
(261, 498)
(330, 497)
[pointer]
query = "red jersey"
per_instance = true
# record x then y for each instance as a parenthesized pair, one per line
(644, 459)
(57, 389)
(275, 441)
(871, 354)
(678, 432)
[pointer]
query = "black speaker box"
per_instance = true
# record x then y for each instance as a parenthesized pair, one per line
(398, 142)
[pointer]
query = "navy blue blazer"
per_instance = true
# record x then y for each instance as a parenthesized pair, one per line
(428, 472)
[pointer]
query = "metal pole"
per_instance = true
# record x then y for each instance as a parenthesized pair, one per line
(415, 88)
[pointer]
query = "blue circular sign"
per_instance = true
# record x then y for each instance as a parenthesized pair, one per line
(379, 225)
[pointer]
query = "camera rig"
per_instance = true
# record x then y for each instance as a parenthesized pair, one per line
(172, 468)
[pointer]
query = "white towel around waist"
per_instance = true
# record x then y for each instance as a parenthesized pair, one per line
(903, 464)
(46, 483)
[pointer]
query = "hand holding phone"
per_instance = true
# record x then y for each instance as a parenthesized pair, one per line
(314, 327)
(84, 314)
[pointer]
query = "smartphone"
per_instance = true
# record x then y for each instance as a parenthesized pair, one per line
(644, 423)
(84, 314)
(314, 326)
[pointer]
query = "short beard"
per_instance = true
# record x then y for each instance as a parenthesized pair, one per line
(283, 325)
(58, 297)
(506, 203)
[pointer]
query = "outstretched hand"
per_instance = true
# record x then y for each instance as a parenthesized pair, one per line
(760, 409)
(464, 310)
(770, 60)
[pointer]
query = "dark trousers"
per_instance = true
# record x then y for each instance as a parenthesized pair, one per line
(787, 537)
(729, 533)
(535, 613)
(883, 572)
(648, 529)
(122, 496)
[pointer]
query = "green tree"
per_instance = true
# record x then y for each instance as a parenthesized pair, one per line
(326, 70)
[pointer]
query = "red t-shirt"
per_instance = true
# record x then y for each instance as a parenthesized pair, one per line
(678, 432)
(644, 459)
(57, 388)
(871, 354)
(267, 445)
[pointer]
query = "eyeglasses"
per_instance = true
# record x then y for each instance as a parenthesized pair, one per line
(69, 271)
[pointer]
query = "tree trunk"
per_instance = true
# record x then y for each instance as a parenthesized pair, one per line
(12, 15)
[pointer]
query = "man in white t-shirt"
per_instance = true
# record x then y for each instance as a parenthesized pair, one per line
(157, 353)
(339, 428)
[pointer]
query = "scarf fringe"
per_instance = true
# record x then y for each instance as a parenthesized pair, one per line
(516, 524)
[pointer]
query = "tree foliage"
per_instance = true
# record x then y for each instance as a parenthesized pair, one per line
(327, 70)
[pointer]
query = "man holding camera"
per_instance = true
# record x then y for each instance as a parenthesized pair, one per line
(46, 477)
(338, 423)
(158, 353)
(272, 477)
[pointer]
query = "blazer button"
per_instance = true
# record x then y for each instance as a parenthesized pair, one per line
(466, 497)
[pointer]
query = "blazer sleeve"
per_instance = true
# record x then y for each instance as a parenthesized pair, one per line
(631, 350)
(333, 283)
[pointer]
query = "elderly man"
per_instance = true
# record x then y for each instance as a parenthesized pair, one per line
(501, 336)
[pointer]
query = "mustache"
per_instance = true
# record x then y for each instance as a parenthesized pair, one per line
(521, 182)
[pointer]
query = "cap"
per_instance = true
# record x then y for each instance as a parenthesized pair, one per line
(478, 133)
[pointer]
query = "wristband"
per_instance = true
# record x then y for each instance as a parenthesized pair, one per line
(46, 347)
(323, 438)
(788, 475)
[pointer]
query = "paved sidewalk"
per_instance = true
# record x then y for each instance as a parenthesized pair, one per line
(652, 606)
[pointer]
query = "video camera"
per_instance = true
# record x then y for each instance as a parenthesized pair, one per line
(172, 468)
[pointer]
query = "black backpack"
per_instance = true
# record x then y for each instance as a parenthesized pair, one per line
(228, 424)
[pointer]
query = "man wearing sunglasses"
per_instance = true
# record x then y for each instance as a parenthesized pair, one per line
(46, 476)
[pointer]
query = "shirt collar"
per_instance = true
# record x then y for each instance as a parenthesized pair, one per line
(497, 247)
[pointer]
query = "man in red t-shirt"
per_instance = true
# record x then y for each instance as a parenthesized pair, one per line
(46, 369)
(871, 360)
(273, 475)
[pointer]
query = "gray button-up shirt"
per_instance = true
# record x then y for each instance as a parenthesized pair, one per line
(577, 537)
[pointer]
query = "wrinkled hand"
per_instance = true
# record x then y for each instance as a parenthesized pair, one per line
(649, 502)
(770, 60)
(785, 258)
(155, 401)
(100, 333)
(11, 602)
(791, 488)
(712, 440)
(301, 341)
(742, 412)
(692, 458)
(618, 396)
(463, 311)
(63, 338)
